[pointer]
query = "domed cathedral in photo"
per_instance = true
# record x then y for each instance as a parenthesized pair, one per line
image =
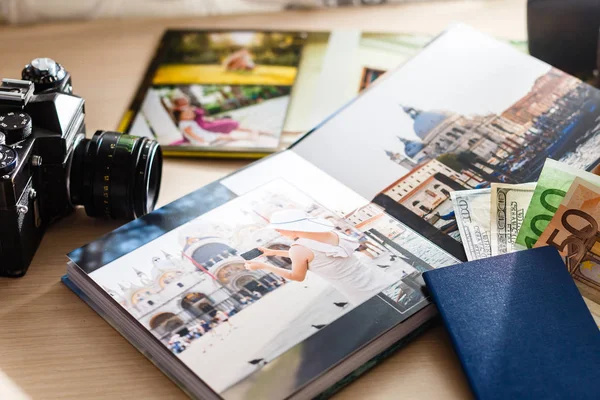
(450, 151)
(441, 132)
(208, 277)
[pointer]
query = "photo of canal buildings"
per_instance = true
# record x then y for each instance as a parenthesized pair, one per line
(466, 111)
(455, 152)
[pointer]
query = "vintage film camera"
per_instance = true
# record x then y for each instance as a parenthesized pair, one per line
(47, 166)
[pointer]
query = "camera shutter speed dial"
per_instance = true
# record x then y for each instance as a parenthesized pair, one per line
(44, 72)
(15, 126)
(8, 159)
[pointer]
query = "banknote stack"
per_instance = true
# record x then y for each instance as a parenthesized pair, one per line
(561, 209)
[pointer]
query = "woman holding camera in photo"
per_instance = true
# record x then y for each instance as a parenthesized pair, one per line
(327, 253)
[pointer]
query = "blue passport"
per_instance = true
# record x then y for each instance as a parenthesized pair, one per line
(519, 326)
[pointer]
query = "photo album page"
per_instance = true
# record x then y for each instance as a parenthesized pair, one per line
(195, 277)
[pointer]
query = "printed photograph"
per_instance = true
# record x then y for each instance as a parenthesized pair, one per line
(250, 280)
(488, 124)
(452, 151)
(319, 71)
(232, 58)
(225, 91)
(216, 116)
(336, 66)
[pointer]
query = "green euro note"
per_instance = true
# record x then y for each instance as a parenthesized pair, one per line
(554, 182)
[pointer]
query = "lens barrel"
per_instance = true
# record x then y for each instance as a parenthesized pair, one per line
(115, 175)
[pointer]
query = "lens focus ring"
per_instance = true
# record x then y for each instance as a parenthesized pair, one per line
(120, 175)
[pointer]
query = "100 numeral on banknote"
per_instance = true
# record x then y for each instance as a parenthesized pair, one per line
(554, 181)
(472, 210)
(540, 221)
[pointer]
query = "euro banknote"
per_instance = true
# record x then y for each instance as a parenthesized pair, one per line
(553, 183)
(574, 231)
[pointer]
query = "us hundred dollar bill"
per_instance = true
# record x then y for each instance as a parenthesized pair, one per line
(472, 210)
(508, 205)
(555, 179)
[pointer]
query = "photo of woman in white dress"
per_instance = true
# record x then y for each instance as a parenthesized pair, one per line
(329, 254)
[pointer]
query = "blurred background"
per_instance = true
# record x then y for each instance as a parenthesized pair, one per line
(27, 11)
(563, 33)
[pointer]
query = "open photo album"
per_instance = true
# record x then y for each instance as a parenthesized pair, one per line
(291, 277)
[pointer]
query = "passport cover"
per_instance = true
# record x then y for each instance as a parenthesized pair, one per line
(519, 326)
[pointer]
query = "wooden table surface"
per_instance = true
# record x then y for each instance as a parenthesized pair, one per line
(51, 344)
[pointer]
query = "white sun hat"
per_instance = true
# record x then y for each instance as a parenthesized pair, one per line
(300, 221)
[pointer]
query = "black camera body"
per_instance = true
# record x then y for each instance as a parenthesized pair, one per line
(32, 183)
(47, 166)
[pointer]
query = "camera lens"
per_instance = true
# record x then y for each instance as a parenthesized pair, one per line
(116, 176)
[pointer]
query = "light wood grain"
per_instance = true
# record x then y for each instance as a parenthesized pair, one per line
(51, 344)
